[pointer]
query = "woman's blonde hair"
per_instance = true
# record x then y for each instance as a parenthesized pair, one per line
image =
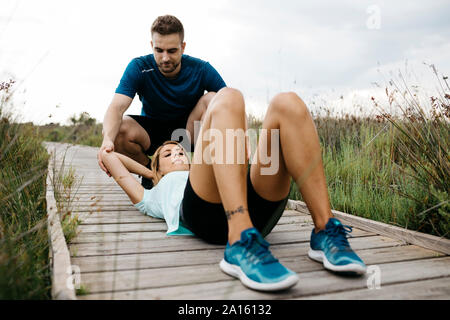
(157, 176)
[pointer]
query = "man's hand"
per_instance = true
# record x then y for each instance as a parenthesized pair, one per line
(107, 145)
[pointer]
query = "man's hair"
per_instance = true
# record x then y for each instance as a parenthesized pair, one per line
(168, 24)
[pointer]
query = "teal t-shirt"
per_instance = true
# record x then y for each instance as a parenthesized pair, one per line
(163, 201)
(169, 99)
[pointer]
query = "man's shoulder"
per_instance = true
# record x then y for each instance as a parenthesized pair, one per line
(193, 61)
(144, 62)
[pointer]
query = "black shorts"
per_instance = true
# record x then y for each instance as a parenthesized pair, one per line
(208, 221)
(161, 131)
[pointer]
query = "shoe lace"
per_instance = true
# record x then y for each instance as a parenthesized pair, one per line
(339, 235)
(259, 252)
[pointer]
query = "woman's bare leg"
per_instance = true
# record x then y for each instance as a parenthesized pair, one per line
(215, 179)
(299, 157)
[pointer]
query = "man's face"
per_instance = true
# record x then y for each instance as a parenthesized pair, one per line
(168, 50)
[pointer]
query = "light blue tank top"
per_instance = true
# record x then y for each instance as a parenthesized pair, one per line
(164, 200)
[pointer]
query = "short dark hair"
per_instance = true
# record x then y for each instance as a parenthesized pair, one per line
(168, 24)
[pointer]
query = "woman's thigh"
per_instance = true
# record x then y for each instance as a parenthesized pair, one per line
(211, 143)
(201, 173)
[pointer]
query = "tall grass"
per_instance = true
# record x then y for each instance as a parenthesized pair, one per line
(65, 184)
(422, 150)
(389, 168)
(24, 269)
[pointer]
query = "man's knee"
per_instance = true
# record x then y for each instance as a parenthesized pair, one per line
(128, 132)
(206, 98)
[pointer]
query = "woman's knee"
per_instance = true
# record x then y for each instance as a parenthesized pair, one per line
(288, 104)
(228, 100)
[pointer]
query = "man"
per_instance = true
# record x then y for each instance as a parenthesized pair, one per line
(170, 85)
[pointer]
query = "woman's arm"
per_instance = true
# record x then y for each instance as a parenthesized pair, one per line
(118, 170)
(134, 166)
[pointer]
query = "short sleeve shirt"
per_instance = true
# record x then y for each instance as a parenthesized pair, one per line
(163, 201)
(169, 99)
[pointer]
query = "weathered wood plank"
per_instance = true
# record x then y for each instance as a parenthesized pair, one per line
(92, 220)
(134, 236)
(147, 226)
(101, 207)
(111, 217)
(289, 252)
(434, 289)
(209, 282)
(177, 244)
(124, 227)
(91, 216)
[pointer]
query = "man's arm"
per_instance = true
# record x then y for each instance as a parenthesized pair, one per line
(111, 125)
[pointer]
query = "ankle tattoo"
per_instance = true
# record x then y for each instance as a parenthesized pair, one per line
(230, 213)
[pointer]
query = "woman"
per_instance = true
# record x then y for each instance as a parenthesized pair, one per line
(225, 203)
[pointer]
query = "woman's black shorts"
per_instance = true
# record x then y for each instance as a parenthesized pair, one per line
(208, 221)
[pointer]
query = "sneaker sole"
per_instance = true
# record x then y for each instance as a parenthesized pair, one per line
(235, 271)
(319, 256)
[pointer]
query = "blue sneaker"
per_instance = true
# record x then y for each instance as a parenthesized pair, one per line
(331, 247)
(250, 260)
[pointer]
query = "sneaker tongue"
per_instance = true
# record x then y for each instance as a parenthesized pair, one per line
(246, 234)
(333, 222)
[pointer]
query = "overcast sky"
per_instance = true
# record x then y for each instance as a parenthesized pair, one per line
(72, 54)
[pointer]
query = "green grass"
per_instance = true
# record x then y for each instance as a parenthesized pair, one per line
(24, 241)
(65, 185)
(392, 169)
(24, 269)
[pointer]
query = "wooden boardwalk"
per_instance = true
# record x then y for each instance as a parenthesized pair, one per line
(123, 254)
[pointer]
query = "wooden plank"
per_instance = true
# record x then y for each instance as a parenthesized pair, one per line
(177, 244)
(413, 237)
(102, 197)
(209, 282)
(93, 220)
(135, 236)
(124, 227)
(129, 216)
(111, 214)
(289, 253)
(434, 289)
(128, 227)
(102, 208)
